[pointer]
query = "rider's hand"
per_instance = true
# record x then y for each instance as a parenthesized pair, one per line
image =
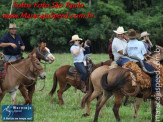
(80, 45)
(13, 45)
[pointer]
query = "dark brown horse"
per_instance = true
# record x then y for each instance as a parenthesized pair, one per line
(27, 87)
(64, 83)
(119, 81)
(16, 72)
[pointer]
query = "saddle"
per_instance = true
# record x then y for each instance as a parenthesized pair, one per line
(73, 74)
(3, 69)
(141, 77)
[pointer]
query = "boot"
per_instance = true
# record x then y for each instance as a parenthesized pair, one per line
(83, 87)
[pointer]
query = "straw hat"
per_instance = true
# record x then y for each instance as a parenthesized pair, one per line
(75, 37)
(11, 25)
(132, 34)
(144, 34)
(120, 30)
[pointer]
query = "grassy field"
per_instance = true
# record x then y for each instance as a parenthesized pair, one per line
(47, 109)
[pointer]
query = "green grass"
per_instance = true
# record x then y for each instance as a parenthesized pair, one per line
(47, 109)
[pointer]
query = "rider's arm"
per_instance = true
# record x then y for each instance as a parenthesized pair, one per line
(7, 44)
(76, 52)
(22, 47)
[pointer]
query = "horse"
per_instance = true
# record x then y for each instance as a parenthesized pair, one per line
(95, 88)
(64, 83)
(118, 81)
(42, 53)
(16, 72)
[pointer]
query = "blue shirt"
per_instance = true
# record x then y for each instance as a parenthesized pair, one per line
(79, 58)
(135, 48)
(9, 39)
(87, 50)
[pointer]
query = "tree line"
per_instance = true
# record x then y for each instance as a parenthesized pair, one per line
(141, 15)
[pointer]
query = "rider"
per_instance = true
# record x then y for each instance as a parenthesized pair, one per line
(146, 41)
(136, 48)
(12, 44)
(78, 55)
(118, 45)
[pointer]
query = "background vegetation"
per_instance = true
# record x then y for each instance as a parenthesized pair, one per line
(47, 109)
(142, 15)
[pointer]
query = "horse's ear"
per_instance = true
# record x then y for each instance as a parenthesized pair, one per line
(34, 54)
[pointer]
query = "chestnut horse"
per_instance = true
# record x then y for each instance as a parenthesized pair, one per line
(64, 84)
(118, 81)
(42, 53)
(16, 72)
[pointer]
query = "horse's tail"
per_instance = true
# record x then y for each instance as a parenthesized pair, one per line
(84, 100)
(118, 83)
(54, 85)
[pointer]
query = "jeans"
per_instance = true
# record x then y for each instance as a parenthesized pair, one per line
(82, 70)
(8, 58)
(153, 77)
(122, 61)
(87, 55)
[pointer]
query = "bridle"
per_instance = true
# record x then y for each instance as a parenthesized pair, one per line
(44, 55)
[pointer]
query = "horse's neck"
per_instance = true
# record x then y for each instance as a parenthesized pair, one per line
(22, 66)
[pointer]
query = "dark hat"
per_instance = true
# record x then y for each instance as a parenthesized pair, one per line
(132, 34)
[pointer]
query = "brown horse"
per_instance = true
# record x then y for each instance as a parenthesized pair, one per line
(118, 81)
(64, 84)
(16, 72)
(95, 88)
(42, 53)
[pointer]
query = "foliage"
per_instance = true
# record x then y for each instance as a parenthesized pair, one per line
(142, 15)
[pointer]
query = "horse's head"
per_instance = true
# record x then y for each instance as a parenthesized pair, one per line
(44, 53)
(36, 67)
(161, 51)
(89, 64)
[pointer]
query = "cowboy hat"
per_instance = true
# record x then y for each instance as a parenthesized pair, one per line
(144, 34)
(11, 25)
(132, 34)
(75, 37)
(120, 30)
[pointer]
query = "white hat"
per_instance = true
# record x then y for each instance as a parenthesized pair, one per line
(144, 34)
(75, 37)
(11, 25)
(120, 30)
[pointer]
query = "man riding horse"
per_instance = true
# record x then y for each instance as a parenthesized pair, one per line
(137, 49)
(78, 55)
(12, 45)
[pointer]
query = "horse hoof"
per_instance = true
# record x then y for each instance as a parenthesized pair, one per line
(85, 115)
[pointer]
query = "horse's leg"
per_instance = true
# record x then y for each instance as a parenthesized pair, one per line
(31, 91)
(13, 96)
(101, 111)
(24, 93)
(126, 100)
(94, 95)
(100, 104)
(67, 87)
(153, 109)
(137, 105)
(60, 92)
(118, 102)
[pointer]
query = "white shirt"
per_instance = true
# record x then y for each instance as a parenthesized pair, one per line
(118, 45)
(79, 58)
(135, 48)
